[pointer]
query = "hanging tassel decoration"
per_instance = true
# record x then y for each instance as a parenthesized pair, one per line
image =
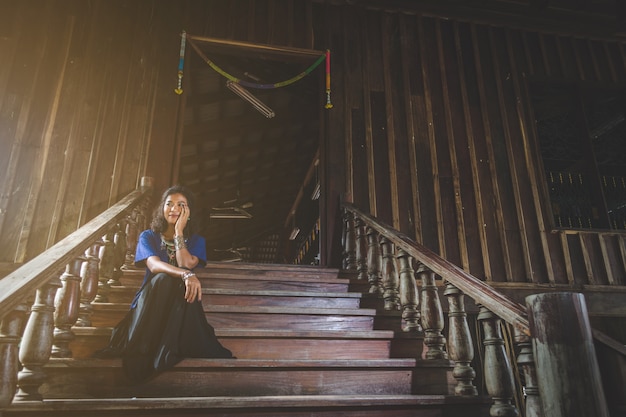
(181, 62)
(328, 105)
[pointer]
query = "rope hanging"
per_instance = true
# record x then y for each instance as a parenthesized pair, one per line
(244, 83)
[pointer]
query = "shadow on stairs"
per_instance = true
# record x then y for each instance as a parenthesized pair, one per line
(305, 347)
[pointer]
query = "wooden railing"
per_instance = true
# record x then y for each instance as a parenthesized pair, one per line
(393, 264)
(42, 300)
(561, 340)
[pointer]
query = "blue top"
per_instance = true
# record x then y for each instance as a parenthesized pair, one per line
(150, 244)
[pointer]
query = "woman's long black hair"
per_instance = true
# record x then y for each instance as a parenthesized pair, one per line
(159, 223)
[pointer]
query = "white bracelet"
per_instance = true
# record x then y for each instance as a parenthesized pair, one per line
(187, 275)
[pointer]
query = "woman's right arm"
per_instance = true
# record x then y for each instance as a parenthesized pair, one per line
(193, 288)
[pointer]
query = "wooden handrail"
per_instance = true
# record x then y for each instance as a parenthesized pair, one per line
(501, 305)
(22, 283)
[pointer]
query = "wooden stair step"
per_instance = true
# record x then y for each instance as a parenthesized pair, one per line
(290, 318)
(237, 282)
(225, 296)
(273, 283)
(108, 315)
(290, 405)
(92, 378)
(285, 270)
(271, 344)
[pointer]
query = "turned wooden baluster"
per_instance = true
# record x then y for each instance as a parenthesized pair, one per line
(432, 315)
(67, 303)
(361, 249)
(132, 235)
(460, 346)
(498, 371)
(373, 262)
(107, 260)
(119, 255)
(350, 244)
(90, 273)
(11, 329)
(389, 274)
(408, 294)
(526, 362)
(35, 348)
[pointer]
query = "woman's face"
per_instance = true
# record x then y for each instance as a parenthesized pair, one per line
(173, 207)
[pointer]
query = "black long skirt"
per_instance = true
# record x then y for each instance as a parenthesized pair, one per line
(161, 330)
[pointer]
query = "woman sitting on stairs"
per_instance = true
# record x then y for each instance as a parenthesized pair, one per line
(166, 321)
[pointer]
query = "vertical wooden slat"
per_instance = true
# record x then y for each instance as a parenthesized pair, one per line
(367, 110)
(569, 268)
(596, 269)
(489, 138)
(529, 155)
(432, 132)
(461, 233)
(389, 72)
(475, 160)
(407, 52)
(514, 168)
(611, 258)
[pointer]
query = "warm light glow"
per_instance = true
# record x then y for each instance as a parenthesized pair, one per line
(246, 95)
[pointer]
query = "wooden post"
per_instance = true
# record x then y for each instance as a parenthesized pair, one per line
(460, 346)
(497, 367)
(390, 280)
(567, 369)
(361, 249)
(90, 273)
(432, 316)
(350, 242)
(10, 334)
(526, 362)
(409, 298)
(107, 260)
(373, 261)
(66, 308)
(35, 349)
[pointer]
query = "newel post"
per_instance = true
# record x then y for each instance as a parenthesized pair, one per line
(567, 369)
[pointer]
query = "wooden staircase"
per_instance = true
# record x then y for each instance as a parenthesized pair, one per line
(305, 346)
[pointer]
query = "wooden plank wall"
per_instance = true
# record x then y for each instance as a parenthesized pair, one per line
(439, 140)
(431, 128)
(79, 120)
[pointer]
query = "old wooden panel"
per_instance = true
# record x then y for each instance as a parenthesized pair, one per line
(491, 82)
(23, 118)
(427, 229)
